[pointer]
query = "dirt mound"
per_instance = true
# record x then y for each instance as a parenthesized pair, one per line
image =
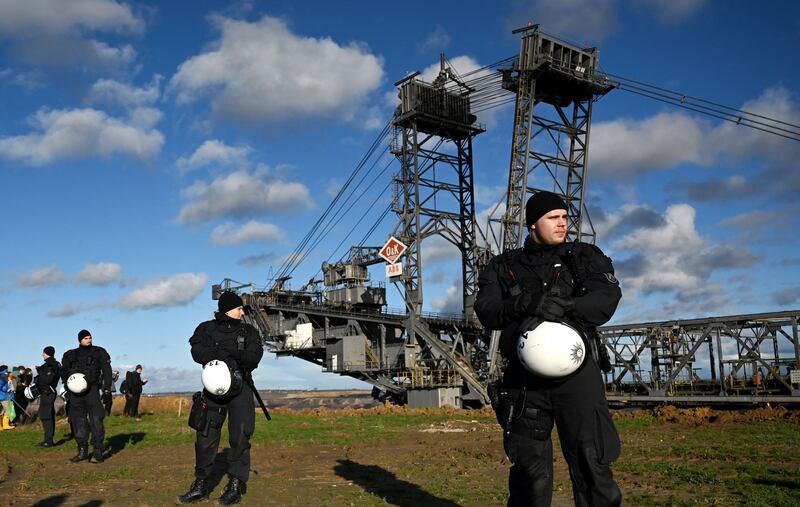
(705, 415)
(384, 410)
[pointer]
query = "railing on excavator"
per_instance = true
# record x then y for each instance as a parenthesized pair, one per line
(308, 303)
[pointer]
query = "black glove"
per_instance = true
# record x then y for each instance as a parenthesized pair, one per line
(521, 305)
(553, 307)
(231, 364)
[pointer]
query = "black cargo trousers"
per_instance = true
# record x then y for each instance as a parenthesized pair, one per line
(86, 413)
(240, 410)
(589, 440)
(47, 414)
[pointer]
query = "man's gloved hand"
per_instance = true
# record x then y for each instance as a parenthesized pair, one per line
(524, 304)
(231, 363)
(554, 307)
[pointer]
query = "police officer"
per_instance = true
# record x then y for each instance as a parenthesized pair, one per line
(86, 411)
(538, 283)
(238, 344)
(47, 381)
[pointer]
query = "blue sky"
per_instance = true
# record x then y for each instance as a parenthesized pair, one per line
(150, 149)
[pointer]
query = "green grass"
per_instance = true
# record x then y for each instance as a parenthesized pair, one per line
(663, 464)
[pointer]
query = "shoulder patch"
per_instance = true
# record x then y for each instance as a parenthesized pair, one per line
(611, 278)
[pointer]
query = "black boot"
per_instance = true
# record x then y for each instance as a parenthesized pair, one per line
(233, 492)
(97, 456)
(83, 454)
(45, 444)
(198, 491)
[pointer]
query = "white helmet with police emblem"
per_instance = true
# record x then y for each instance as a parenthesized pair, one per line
(218, 379)
(32, 391)
(551, 349)
(76, 383)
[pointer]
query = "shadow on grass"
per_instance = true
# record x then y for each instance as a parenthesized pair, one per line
(219, 469)
(386, 485)
(64, 439)
(778, 483)
(118, 442)
(55, 501)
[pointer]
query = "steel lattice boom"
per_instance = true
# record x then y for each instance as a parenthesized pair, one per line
(341, 321)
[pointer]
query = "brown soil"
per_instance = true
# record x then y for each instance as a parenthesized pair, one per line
(463, 453)
(704, 415)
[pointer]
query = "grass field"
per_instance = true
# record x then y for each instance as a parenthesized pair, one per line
(409, 458)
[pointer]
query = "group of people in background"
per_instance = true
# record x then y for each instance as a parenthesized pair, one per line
(89, 384)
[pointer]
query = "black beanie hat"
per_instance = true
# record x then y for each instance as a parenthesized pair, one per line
(228, 301)
(138, 367)
(49, 350)
(83, 334)
(541, 203)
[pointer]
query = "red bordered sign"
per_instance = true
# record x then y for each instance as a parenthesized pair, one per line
(392, 250)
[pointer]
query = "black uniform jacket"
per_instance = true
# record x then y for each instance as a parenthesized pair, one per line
(532, 270)
(92, 361)
(229, 340)
(134, 382)
(47, 375)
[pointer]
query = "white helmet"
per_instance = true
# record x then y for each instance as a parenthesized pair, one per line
(32, 391)
(76, 383)
(219, 380)
(551, 350)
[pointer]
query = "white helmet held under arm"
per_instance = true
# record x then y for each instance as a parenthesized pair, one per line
(551, 349)
(219, 379)
(76, 383)
(32, 391)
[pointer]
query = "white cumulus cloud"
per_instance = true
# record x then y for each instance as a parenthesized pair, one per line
(80, 133)
(670, 255)
(632, 147)
(626, 148)
(109, 91)
(215, 151)
(49, 276)
(263, 72)
(251, 232)
(240, 194)
(176, 290)
(70, 309)
(452, 301)
(102, 273)
(59, 33)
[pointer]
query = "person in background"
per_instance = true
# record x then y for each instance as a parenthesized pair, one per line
(46, 380)
(134, 382)
(22, 379)
(6, 397)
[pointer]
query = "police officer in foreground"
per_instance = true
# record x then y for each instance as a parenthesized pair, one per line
(46, 382)
(232, 346)
(556, 286)
(85, 371)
